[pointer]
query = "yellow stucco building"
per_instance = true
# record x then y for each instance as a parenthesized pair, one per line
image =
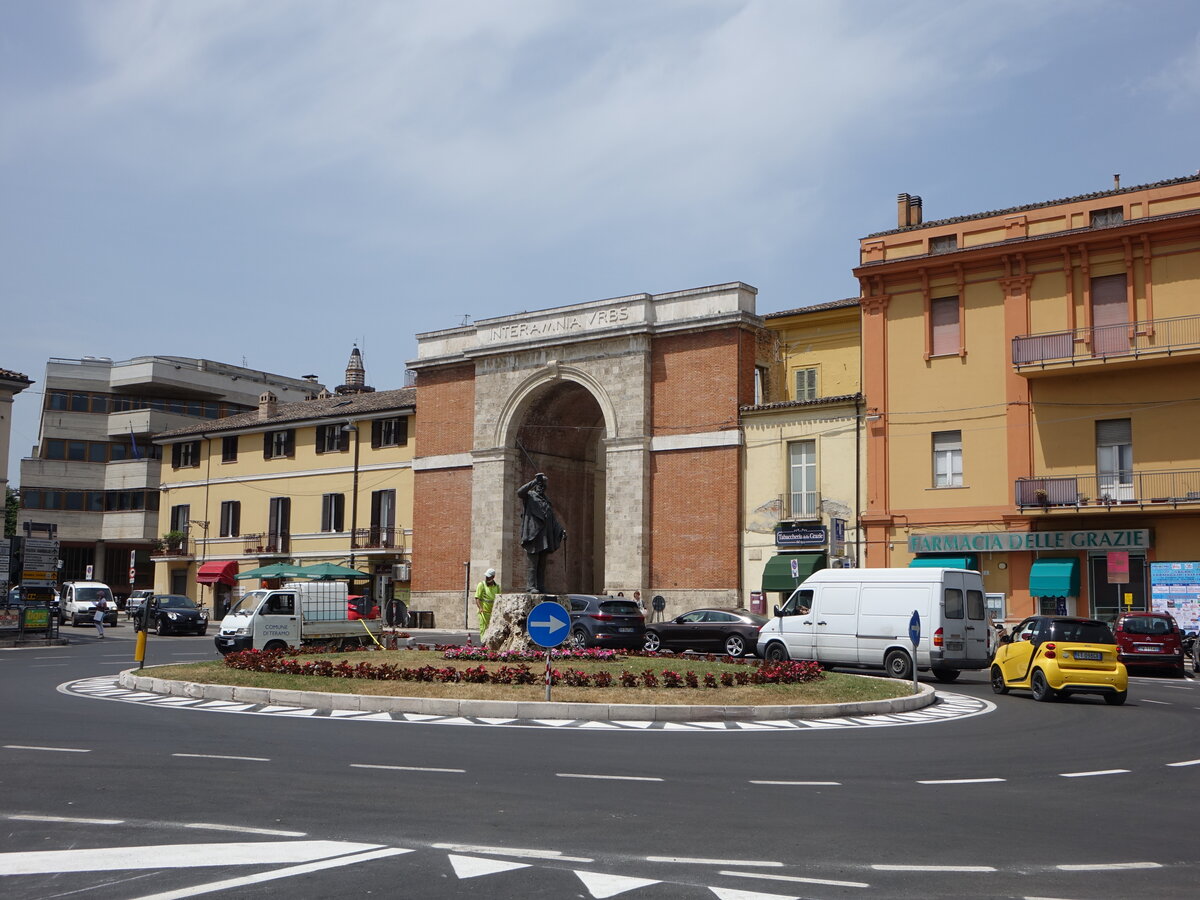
(323, 480)
(804, 452)
(1030, 379)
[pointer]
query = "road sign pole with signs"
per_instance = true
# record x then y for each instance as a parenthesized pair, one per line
(914, 635)
(547, 625)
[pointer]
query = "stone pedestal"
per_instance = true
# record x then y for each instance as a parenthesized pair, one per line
(506, 630)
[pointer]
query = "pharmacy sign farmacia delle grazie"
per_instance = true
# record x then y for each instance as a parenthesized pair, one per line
(1016, 541)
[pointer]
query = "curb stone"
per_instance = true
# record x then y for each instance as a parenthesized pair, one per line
(522, 709)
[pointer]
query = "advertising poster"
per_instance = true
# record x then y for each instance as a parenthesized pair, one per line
(1175, 588)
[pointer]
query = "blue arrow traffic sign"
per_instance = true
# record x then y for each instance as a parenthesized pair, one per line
(548, 624)
(914, 628)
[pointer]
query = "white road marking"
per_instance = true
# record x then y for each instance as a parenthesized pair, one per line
(173, 856)
(962, 781)
(890, 868)
(218, 756)
(49, 749)
(1186, 762)
(858, 884)
(50, 666)
(713, 862)
(607, 777)
(244, 830)
(1157, 702)
(601, 885)
(406, 768)
(290, 872)
(520, 852)
(734, 894)
(1097, 772)
(1104, 867)
(802, 783)
(67, 819)
(473, 867)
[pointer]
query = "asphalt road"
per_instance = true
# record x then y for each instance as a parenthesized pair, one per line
(106, 800)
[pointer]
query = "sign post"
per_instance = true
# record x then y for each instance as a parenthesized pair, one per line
(914, 635)
(547, 627)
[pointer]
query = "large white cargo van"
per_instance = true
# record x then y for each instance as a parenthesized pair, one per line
(860, 618)
(301, 612)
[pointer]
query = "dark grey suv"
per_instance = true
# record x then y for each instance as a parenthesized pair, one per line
(603, 621)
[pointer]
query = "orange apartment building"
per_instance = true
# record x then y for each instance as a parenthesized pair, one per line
(1032, 391)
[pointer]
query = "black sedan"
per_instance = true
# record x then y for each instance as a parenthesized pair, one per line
(172, 614)
(733, 632)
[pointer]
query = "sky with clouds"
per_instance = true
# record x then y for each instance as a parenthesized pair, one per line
(271, 181)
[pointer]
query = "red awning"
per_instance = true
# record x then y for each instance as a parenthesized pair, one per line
(217, 572)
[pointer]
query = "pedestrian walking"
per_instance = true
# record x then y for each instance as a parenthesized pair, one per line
(98, 615)
(485, 596)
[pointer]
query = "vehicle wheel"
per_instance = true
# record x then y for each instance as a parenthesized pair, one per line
(274, 645)
(735, 645)
(776, 652)
(1117, 699)
(203, 631)
(898, 664)
(160, 626)
(1041, 689)
(946, 675)
(579, 639)
(653, 642)
(998, 685)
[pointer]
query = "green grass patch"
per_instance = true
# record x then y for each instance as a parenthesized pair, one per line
(831, 688)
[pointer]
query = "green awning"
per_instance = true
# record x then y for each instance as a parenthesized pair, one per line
(934, 561)
(777, 576)
(1054, 577)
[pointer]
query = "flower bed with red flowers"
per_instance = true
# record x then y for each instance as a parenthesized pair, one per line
(286, 662)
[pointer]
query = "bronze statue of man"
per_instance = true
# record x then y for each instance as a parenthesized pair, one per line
(540, 532)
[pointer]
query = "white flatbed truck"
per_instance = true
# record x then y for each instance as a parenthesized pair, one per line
(296, 614)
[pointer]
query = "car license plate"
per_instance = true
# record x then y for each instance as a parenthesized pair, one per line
(1089, 654)
(1147, 648)
(954, 645)
(625, 630)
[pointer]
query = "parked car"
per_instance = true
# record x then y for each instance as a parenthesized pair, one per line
(604, 621)
(1053, 656)
(16, 598)
(79, 599)
(733, 632)
(172, 614)
(135, 601)
(1150, 640)
(1195, 654)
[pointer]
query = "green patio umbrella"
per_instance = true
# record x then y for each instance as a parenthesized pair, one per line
(328, 571)
(274, 570)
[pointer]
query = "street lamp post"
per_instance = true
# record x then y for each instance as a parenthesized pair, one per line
(348, 428)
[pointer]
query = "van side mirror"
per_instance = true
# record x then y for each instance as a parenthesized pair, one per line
(1006, 638)
(778, 612)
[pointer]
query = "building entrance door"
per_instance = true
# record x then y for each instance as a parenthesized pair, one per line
(1108, 600)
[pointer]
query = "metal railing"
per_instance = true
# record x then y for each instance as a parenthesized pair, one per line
(1172, 487)
(1131, 339)
(277, 542)
(375, 538)
(181, 548)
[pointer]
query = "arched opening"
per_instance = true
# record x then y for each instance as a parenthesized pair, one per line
(561, 434)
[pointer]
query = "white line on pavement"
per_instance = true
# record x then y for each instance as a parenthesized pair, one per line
(962, 781)
(1157, 702)
(802, 783)
(50, 666)
(51, 749)
(607, 777)
(1102, 867)
(687, 860)
(405, 768)
(1098, 772)
(290, 872)
(243, 830)
(1186, 762)
(889, 868)
(67, 819)
(519, 852)
(218, 756)
(860, 884)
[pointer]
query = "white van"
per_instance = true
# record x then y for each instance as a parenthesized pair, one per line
(860, 618)
(78, 599)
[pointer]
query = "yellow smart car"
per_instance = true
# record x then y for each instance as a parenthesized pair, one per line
(1052, 656)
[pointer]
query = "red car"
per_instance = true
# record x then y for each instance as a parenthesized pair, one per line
(1149, 640)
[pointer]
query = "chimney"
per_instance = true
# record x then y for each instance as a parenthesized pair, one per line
(1117, 182)
(908, 210)
(914, 211)
(268, 405)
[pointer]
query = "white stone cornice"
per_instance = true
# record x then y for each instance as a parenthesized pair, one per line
(730, 438)
(446, 461)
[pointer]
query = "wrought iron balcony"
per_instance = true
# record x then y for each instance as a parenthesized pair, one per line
(376, 538)
(183, 548)
(1102, 491)
(1132, 340)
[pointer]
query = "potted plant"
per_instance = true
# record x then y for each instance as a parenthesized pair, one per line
(173, 540)
(1043, 499)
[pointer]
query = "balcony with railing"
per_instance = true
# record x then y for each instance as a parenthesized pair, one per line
(1154, 339)
(1102, 492)
(267, 544)
(174, 548)
(804, 505)
(377, 538)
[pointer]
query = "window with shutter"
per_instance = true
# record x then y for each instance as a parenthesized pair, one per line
(333, 508)
(1114, 459)
(806, 384)
(943, 323)
(231, 518)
